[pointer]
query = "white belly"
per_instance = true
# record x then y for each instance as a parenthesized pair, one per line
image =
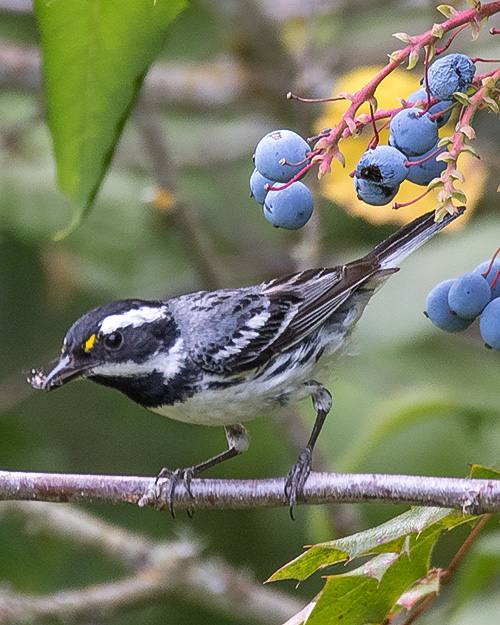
(257, 396)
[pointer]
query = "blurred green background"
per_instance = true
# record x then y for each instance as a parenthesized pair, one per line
(412, 399)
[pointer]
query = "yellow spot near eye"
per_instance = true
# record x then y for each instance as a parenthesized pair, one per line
(89, 343)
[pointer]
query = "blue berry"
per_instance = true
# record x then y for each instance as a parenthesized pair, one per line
(289, 208)
(421, 94)
(277, 146)
(450, 74)
(373, 193)
(412, 133)
(468, 295)
(483, 267)
(384, 165)
(489, 324)
(257, 182)
(438, 309)
(423, 173)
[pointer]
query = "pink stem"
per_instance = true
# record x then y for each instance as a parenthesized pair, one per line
(410, 163)
(292, 96)
(447, 45)
(368, 91)
(395, 206)
(485, 274)
(294, 179)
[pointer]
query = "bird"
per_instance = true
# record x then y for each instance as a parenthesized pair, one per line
(224, 357)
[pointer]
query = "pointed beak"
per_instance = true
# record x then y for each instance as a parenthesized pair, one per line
(65, 371)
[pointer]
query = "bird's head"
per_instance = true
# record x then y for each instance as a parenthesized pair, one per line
(127, 340)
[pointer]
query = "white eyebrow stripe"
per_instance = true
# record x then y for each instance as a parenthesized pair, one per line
(134, 318)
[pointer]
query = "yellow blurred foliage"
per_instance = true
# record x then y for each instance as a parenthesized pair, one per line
(339, 186)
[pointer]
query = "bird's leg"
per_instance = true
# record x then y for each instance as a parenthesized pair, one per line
(237, 440)
(298, 474)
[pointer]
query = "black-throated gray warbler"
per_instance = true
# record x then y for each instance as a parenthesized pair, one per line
(227, 356)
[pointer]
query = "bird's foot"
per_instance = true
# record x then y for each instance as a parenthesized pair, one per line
(178, 476)
(296, 478)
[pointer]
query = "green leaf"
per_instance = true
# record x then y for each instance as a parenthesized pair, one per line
(360, 596)
(95, 56)
(447, 10)
(462, 98)
(422, 588)
(484, 473)
(403, 37)
(385, 538)
(412, 59)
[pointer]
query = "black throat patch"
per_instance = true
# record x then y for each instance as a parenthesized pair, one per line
(151, 390)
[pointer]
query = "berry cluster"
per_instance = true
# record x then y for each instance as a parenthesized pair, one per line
(414, 140)
(453, 304)
(280, 157)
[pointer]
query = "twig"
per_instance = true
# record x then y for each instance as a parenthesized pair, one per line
(183, 217)
(161, 570)
(470, 496)
(446, 576)
(330, 144)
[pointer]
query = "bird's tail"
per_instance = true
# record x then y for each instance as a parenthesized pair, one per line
(406, 240)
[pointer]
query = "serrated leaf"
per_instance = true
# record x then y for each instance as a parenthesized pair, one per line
(354, 599)
(403, 37)
(447, 10)
(462, 98)
(487, 473)
(428, 585)
(388, 537)
(95, 56)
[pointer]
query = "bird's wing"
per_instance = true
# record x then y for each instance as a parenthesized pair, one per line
(322, 292)
(251, 325)
(232, 329)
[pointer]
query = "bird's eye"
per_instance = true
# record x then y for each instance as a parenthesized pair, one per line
(113, 340)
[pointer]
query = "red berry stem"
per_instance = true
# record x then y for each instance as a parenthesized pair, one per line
(426, 71)
(485, 274)
(410, 163)
(434, 116)
(398, 205)
(450, 40)
(329, 144)
(495, 280)
(485, 60)
(376, 137)
(268, 187)
(292, 96)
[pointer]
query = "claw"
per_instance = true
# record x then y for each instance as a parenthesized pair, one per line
(297, 477)
(175, 477)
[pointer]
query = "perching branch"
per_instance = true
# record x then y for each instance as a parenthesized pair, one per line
(469, 495)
